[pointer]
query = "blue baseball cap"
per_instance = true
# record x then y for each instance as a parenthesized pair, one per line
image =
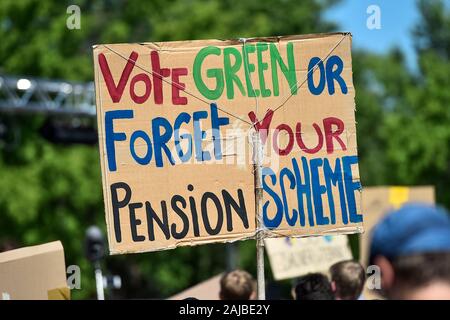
(414, 228)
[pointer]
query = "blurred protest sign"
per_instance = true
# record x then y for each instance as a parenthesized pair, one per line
(377, 201)
(293, 257)
(205, 290)
(34, 273)
(174, 121)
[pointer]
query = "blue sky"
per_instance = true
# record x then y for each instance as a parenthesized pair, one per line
(398, 17)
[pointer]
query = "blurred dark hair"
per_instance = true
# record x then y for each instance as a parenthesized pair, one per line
(236, 285)
(313, 286)
(349, 277)
(8, 244)
(417, 270)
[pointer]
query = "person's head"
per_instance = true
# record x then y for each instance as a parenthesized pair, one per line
(8, 244)
(411, 246)
(347, 279)
(236, 285)
(313, 286)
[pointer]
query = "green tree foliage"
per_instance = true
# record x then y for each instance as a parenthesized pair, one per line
(50, 192)
(403, 114)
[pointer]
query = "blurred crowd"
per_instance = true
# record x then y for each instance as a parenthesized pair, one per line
(410, 253)
(409, 259)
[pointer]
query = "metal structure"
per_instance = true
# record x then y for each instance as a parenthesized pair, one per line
(27, 94)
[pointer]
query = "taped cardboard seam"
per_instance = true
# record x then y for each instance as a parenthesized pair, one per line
(237, 41)
(189, 45)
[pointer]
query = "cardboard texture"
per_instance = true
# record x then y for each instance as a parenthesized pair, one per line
(174, 121)
(293, 257)
(34, 273)
(59, 294)
(206, 290)
(378, 201)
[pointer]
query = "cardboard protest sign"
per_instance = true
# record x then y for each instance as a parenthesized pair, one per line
(378, 201)
(174, 121)
(205, 290)
(293, 257)
(34, 273)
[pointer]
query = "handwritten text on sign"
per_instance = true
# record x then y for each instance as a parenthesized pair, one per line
(174, 120)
